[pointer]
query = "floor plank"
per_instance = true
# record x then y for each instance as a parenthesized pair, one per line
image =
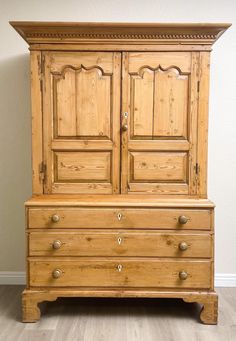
(85, 319)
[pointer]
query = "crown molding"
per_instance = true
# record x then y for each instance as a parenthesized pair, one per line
(118, 33)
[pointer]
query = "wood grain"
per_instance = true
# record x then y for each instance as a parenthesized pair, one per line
(164, 166)
(119, 273)
(203, 123)
(122, 200)
(118, 218)
(205, 298)
(125, 120)
(65, 103)
(120, 243)
(142, 104)
(37, 119)
(164, 59)
(171, 101)
(103, 46)
(82, 166)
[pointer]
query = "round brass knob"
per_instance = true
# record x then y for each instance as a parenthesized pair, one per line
(55, 218)
(56, 244)
(183, 219)
(125, 127)
(56, 273)
(183, 246)
(183, 275)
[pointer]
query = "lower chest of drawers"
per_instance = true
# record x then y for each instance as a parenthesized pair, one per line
(119, 247)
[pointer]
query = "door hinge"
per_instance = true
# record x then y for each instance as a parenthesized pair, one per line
(42, 171)
(197, 168)
(198, 86)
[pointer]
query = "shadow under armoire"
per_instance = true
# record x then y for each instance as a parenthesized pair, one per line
(119, 158)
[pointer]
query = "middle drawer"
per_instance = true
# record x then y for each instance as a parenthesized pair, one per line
(120, 243)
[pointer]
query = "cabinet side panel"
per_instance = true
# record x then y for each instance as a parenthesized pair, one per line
(36, 108)
(203, 122)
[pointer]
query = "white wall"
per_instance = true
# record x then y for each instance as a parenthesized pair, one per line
(15, 171)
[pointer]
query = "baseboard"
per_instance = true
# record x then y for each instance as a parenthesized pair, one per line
(12, 278)
(18, 278)
(225, 280)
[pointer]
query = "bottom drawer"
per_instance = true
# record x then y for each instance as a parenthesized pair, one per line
(139, 272)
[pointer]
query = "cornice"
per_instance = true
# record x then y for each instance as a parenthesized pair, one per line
(118, 33)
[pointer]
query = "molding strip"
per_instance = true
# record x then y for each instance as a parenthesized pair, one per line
(117, 33)
(19, 278)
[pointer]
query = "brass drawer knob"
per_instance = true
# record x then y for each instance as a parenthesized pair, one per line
(183, 246)
(183, 275)
(56, 273)
(55, 218)
(56, 244)
(183, 220)
(125, 127)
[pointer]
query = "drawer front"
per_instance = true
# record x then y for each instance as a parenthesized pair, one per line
(119, 218)
(121, 243)
(153, 273)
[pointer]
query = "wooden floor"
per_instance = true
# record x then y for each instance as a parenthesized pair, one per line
(116, 319)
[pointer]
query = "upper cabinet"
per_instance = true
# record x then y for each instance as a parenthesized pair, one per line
(82, 92)
(120, 108)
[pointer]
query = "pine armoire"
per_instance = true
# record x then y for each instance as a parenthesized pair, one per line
(119, 163)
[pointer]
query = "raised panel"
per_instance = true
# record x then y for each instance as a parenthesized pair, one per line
(171, 103)
(82, 166)
(82, 104)
(93, 103)
(65, 103)
(159, 103)
(142, 103)
(154, 166)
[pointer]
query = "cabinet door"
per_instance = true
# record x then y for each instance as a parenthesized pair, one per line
(159, 118)
(81, 120)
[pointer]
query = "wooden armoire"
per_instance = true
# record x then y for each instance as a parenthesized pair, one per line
(119, 159)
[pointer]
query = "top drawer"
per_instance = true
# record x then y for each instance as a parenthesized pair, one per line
(119, 218)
